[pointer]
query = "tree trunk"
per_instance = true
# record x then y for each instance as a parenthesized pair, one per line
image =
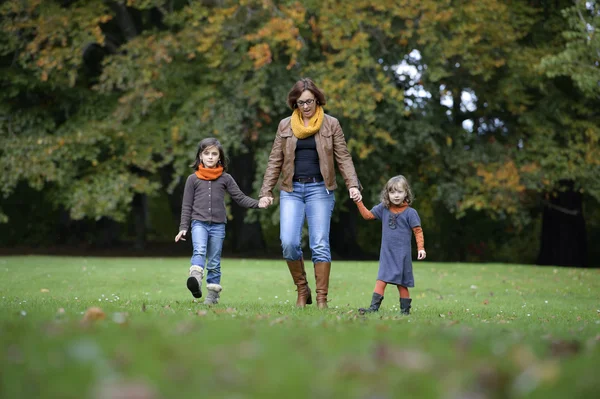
(174, 198)
(564, 239)
(140, 219)
(343, 233)
(246, 238)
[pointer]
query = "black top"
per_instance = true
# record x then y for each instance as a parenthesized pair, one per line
(306, 163)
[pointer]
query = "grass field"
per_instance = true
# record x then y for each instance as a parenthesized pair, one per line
(476, 331)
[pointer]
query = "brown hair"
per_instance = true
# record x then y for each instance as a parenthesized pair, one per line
(299, 87)
(395, 183)
(203, 145)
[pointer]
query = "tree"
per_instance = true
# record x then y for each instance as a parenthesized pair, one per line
(489, 108)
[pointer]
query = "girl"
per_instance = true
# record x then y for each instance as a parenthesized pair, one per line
(204, 205)
(398, 220)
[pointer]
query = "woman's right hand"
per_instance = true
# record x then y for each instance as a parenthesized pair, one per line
(180, 235)
(265, 202)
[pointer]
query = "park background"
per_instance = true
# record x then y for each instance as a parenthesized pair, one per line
(489, 108)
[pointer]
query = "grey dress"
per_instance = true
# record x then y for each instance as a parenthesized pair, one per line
(395, 261)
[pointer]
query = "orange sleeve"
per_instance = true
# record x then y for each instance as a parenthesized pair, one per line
(364, 212)
(419, 238)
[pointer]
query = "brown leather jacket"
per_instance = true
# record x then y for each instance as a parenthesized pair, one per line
(330, 144)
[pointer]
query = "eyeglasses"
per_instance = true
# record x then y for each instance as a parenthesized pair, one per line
(392, 223)
(307, 102)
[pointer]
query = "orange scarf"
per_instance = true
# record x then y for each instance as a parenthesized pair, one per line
(398, 208)
(209, 173)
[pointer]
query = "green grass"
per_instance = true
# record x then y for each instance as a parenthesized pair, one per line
(477, 330)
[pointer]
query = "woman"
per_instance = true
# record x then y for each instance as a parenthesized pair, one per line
(303, 152)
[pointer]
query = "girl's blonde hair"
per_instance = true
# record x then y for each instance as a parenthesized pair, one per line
(396, 183)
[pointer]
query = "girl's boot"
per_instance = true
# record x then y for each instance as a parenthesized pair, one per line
(214, 290)
(405, 305)
(194, 281)
(375, 304)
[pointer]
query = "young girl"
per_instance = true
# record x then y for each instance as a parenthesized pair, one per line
(399, 221)
(204, 205)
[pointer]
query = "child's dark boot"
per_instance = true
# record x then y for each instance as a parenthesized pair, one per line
(375, 304)
(405, 305)
(194, 281)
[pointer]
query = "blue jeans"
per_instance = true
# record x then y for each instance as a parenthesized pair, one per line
(207, 240)
(313, 201)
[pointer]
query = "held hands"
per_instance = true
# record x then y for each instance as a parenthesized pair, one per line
(355, 194)
(421, 255)
(180, 235)
(265, 202)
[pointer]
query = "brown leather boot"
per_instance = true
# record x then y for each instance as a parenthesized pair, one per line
(299, 275)
(322, 270)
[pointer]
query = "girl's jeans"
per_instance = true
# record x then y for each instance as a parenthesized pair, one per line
(313, 201)
(207, 240)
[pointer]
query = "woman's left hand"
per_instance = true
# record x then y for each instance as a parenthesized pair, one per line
(421, 254)
(355, 194)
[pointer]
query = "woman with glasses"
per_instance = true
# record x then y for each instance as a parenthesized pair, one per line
(303, 153)
(399, 223)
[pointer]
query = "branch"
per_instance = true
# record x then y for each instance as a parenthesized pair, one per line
(124, 21)
(571, 212)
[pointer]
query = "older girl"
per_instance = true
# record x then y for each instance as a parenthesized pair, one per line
(204, 206)
(399, 222)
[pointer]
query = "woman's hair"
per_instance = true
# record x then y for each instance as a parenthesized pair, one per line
(394, 184)
(203, 145)
(299, 87)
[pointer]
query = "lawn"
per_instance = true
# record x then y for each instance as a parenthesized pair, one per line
(476, 331)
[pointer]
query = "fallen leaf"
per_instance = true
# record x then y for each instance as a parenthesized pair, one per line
(563, 348)
(278, 320)
(410, 359)
(44, 290)
(94, 314)
(492, 380)
(14, 355)
(126, 390)
(228, 310)
(184, 327)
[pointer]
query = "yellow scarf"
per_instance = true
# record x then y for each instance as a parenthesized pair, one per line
(301, 131)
